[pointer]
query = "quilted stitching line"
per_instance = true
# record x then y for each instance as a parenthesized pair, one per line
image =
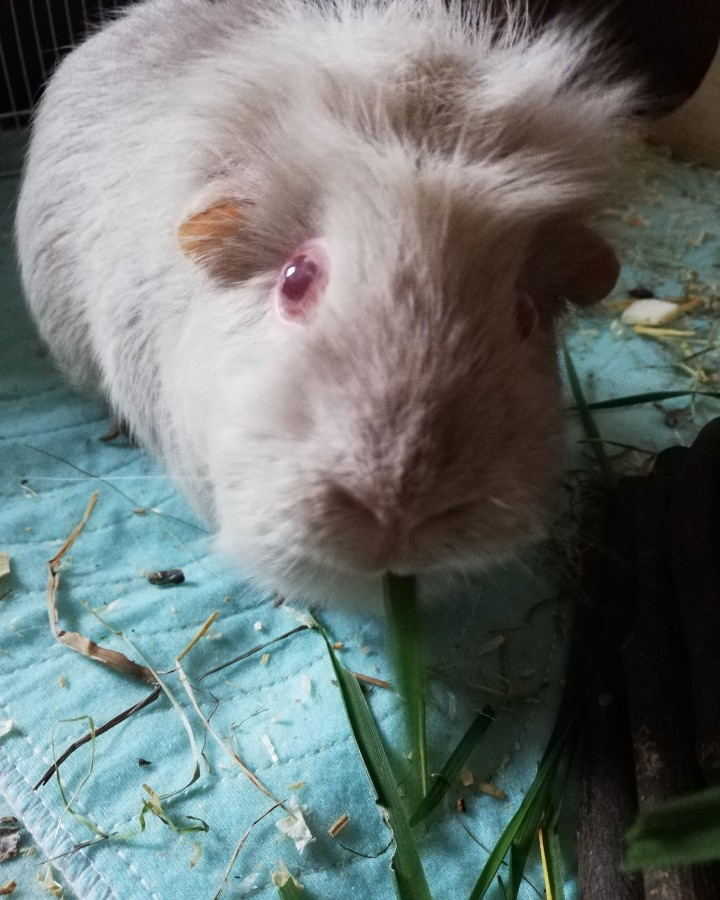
(317, 751)
(280, 679)
(36, 799)
(21, 438)
(239, 692)
(88, 863)
(265, 890)
(121, 854)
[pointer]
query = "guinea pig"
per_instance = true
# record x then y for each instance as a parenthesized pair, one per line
(315, 255)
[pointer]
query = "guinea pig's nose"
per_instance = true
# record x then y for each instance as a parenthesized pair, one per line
(374, 530)
(368, 507)
(362, 530)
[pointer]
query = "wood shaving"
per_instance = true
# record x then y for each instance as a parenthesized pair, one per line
(281, 876)
(485, 787)
(72, 639)
(306, 685)
(294, 826)
(6, 726)
(661, 334)
(194, 859)
(701, 237)
(336, 827)
(264, 659)
(46, 881)
(466, 778)
(248, 884)
(8, 888)
(268, 744)
(4, 565)
(687, 306)
(369, 679)
(203, 630)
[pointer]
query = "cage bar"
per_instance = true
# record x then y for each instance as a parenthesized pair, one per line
(34, 35)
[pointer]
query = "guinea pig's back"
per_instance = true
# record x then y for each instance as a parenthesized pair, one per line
(100, 190)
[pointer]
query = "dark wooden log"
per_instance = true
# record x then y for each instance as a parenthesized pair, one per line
(608, 798)
(694, 543)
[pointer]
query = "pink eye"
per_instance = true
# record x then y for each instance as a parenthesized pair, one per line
(526, 315)
(302, 282)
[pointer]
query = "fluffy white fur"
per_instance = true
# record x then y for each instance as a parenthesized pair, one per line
(448, 166)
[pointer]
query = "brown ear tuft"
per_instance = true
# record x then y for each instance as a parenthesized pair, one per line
(211, 235)
(571, 261)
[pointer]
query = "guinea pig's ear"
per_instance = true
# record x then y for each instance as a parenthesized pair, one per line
(213, 238)
(573, 262)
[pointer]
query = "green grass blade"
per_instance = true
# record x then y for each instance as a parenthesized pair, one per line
(287, 886)
(650, 397)
(588, 423)
(406, 649)
(289, 890)
(678, 832)
(407, 868)
(520, 831)
(553, 870)
(446, 777)
(528, 829)
(529, 811)
(161, 683)
(67, 803)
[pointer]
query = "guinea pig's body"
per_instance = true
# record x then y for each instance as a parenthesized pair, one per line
(313, 255)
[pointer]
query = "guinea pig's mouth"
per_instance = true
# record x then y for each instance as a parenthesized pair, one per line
(458, 538)
(405, 558)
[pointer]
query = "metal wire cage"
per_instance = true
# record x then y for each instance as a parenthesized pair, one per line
(34, 35)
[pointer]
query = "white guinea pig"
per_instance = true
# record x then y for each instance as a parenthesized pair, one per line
(314, 255)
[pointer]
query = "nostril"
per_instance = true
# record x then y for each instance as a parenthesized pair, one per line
(347, 501)
(358, 531)
(450, 513)
(389, 516)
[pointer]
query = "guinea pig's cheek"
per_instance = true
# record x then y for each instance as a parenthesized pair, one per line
(302, 283)
(526, 315)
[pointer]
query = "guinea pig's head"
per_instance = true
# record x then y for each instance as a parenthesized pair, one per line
(387, 360)
(389, 382)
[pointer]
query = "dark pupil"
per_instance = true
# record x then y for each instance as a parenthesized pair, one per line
(298, 277)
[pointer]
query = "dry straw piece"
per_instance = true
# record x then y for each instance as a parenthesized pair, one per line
(336, 827)
(72, 639)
